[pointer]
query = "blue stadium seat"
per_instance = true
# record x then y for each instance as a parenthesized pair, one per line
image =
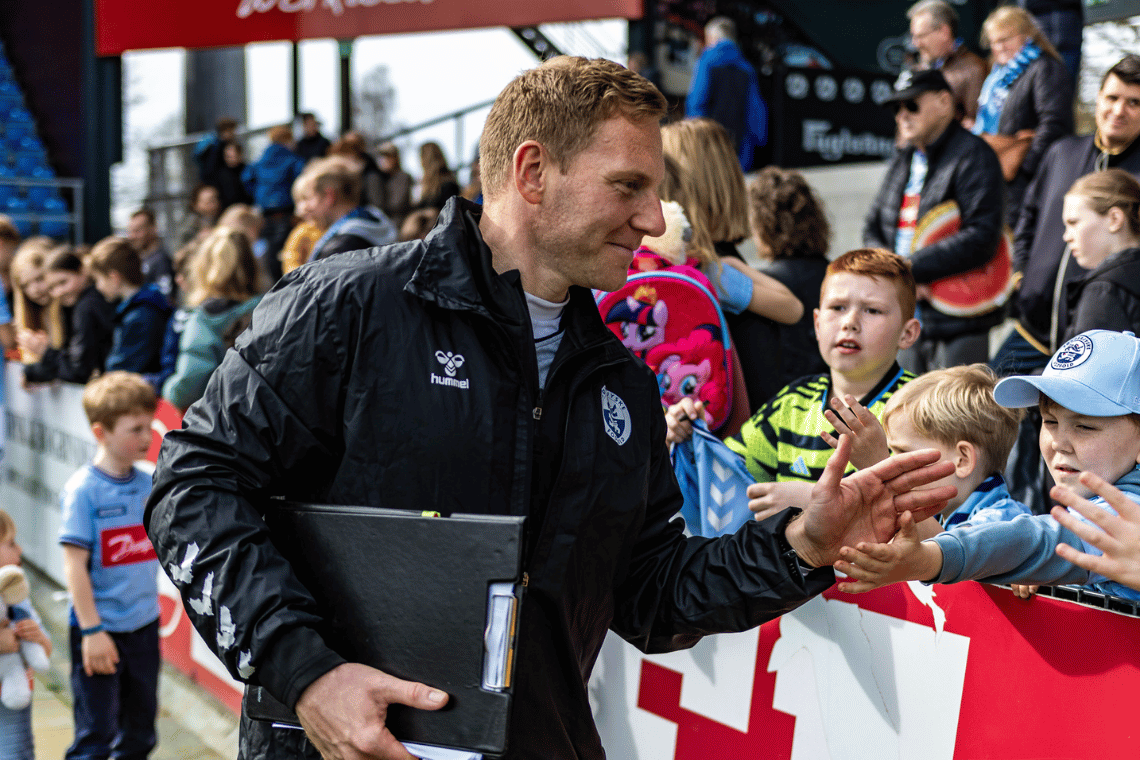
(29, 144)
(54, 228)
(47, 202)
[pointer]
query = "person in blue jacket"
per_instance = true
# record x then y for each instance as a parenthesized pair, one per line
(270, 181)
(725, 88)
(142, 311)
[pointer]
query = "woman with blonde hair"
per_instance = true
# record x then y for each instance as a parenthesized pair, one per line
(710, 188)
(221, 295)
(35, 314)
(1026, 102)
(438, 182)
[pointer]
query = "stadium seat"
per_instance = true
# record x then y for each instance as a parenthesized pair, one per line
(55, 228)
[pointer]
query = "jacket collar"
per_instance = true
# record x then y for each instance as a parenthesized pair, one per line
(455, 272)
(935, 149)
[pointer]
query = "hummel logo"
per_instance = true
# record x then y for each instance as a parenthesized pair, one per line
(450, 361)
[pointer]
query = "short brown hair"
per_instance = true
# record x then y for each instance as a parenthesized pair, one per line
(1111, 188)
(282, 134)
(335, 172)
(957, 404)
(116, 254)
(561, 104)
(115, 395)
(1127, 70)
(787, 215)
(880, 263)
(146, 212)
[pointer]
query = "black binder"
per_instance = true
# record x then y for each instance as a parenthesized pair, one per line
(408, 594)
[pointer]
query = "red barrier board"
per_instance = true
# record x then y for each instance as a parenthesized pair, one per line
(123, 25)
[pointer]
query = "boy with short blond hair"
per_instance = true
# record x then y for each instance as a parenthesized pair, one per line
(142, 311)
(1089, 397)
(953, 410)
(865, 317)
(111, 573)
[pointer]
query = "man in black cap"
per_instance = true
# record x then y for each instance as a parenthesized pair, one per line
(938, 161)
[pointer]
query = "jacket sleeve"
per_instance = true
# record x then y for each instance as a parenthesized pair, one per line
(679, 589)
(978, 191)
(873, 221)
(696, 103)
(269, 424)
(1022, 550)
(137, 339)
(1103, 307)
(1053, 105)
(197, 358)
(1026, 229)
(91, 328)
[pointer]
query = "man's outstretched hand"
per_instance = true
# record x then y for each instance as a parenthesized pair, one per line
(865, 505)
(344, 712)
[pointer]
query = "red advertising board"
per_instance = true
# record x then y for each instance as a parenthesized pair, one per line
(123, 25)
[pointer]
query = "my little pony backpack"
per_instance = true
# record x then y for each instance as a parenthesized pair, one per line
(669, 316)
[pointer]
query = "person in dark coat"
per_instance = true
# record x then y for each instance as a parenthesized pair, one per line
(1026, 102)
(270, 180)
(228, 179)
(347, 389)
(395, 185)
(940, 162)
(208, 153)
(792, 234)
(1102, 228)
(1041, 262)
(312, 143)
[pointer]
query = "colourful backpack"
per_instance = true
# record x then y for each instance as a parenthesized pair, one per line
(669, 316)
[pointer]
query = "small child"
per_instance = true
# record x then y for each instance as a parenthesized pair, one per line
(111, 573)
(953, 410)
(1089, 397)
(16, 725)
(142, 311)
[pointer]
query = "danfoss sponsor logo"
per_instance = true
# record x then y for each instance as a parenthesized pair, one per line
(126, 546)
(247, 8)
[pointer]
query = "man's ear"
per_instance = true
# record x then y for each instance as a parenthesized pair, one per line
(99, 431)
(910, 332)
(531, 162)
(965, 459)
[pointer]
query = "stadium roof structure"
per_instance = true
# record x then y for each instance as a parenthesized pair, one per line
(123, 25)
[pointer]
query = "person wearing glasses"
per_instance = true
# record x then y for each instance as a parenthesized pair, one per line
(938, 161)
(934, 36)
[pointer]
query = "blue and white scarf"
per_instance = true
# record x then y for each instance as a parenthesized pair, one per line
(996, 88)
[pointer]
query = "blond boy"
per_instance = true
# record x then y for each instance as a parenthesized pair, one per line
(112, 573)
(953, 410)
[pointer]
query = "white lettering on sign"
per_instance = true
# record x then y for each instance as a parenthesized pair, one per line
(818, 138)
(247, 8)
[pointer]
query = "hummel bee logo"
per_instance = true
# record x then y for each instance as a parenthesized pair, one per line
(451, 362)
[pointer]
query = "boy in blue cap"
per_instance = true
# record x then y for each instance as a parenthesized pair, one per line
(1089, 397)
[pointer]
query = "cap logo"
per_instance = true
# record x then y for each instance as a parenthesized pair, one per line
(1073, 354)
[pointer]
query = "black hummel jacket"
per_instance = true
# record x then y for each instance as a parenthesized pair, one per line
(337, 394)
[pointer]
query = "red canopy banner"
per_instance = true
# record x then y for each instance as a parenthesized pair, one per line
(123, 25)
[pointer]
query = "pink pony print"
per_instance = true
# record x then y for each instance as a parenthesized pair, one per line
(685, 369)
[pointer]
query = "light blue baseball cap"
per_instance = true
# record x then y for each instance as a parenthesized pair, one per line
(1097, 374)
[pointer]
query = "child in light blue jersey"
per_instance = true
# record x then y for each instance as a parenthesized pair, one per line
(112, 576)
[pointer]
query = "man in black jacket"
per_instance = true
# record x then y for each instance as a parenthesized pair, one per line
(940, 162)
(338, 393)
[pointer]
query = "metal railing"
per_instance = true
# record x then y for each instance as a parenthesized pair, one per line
(74, 218)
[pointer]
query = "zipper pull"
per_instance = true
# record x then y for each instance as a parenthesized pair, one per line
(526, 579)
(537, 413)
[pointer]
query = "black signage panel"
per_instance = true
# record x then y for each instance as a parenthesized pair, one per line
(821, 117)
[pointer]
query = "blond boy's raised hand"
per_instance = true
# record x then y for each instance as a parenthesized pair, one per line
(869, 440)
(767, 499)
(905, 558)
